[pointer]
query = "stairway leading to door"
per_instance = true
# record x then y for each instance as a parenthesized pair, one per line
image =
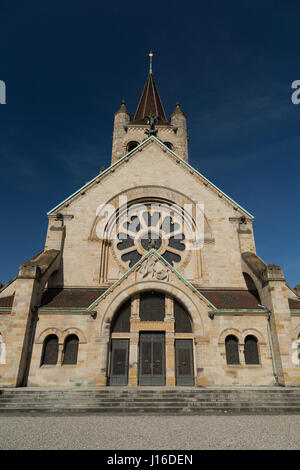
(150, 400)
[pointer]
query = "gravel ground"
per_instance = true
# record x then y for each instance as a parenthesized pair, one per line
(150, 432)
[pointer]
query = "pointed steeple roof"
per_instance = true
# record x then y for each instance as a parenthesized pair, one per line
(150, 103)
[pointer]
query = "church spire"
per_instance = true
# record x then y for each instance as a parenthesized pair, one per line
(150, 102)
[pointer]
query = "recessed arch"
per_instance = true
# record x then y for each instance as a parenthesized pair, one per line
(144, 286)
(75, 331)
(228, 332)
(253, 332)
(49, 331)
(107, 224)
(149, 193)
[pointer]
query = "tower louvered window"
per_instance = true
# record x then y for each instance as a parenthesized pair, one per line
(70, 350)
(251, 350)
(232, 350)
(50, 350)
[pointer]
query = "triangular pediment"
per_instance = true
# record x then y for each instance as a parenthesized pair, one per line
(135, 153)
(151, 267)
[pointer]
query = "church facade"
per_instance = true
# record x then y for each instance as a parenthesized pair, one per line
(149, 277)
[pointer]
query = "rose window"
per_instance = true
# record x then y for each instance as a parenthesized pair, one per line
(147, 229)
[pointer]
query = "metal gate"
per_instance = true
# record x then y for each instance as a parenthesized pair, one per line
(184, 362)
(152, 359)
(119, 362)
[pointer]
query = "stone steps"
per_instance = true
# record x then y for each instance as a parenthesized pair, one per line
(87, 392)
(157, 400)
(147, 405)
(147, 400)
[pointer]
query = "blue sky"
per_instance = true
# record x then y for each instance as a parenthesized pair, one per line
(68, 64)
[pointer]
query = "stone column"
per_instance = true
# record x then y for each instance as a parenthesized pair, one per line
(169, 308)
(19, 332)
(170, 358)
(134, 341)
(170, 342)
(102, 378)
(201, 379)
(133, 359)
(275, 297)
(135, 308)
(60, 353)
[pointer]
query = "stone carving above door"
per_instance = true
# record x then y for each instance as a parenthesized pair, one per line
(153, 268)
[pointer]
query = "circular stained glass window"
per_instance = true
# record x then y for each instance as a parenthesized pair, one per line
(149, 229)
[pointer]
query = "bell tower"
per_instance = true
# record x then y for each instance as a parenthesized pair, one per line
(128, 134)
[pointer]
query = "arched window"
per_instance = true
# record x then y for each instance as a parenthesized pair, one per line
(251, 350)
(232, 350)
(131, 145)
(182, 319)
(169, 145)
(152, 306)
(70, 351)
(121, 322)
(251, 285)
(50, 351)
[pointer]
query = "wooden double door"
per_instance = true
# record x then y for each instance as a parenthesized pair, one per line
(152, 361)
(152, 369)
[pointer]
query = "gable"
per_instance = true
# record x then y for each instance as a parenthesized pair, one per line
(152, 162)
(152, 267)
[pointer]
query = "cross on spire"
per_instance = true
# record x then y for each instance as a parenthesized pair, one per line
(150, 55)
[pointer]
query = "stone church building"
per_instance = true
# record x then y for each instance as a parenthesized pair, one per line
(149, 276)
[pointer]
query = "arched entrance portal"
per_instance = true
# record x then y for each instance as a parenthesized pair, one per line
(151, 342)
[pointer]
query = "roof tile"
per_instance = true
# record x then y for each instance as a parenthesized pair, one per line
(150, 103)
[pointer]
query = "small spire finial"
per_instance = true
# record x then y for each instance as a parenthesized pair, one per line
(150, 55)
